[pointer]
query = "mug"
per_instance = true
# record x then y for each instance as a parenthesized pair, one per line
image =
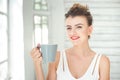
(48, 52)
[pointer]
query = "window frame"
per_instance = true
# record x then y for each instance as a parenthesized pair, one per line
(5, 14)
(40, 13)
(4, 63)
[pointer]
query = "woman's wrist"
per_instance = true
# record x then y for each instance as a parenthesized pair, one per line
(36, 63)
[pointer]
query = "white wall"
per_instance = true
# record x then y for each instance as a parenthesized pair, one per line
(56, 28)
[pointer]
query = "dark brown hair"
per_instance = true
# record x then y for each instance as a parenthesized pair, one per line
(80, 10)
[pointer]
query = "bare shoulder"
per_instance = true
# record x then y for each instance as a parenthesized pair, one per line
(104, 68)
(57, 59)
(57, 55)
(104, 60)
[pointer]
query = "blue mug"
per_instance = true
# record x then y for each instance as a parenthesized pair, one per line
(48, 52)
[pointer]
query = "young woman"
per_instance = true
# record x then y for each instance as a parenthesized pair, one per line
(78, 62)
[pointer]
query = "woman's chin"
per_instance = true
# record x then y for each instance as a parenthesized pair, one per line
(76, 44)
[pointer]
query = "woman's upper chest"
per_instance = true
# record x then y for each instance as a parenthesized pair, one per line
(78, 66)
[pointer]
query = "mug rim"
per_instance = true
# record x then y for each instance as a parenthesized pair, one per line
(47, 44)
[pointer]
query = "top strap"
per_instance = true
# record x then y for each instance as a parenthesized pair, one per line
(96, 65)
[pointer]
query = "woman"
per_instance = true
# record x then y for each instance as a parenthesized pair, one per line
(78, 62)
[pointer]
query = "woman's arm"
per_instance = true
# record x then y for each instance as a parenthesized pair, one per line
(39, 71)
(51, 72)
(104, 68)
(37, 59)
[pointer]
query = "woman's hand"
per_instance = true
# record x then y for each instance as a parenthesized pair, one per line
(37, 59)
(36, 54)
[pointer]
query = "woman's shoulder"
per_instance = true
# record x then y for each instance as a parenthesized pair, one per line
(58, 53)
(57, 59)
(104, 67)
(104, 61)
(62, 51)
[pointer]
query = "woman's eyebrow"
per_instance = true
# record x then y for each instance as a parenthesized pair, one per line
(75, 25)
(78, 24)
(68, 26)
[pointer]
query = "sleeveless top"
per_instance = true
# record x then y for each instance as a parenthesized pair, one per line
(92, 73)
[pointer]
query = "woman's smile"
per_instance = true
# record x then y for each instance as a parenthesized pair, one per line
(75, 37)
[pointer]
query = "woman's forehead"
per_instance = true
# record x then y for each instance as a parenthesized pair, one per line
(76, 20)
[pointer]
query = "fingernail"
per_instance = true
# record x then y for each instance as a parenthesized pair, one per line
(38, 45)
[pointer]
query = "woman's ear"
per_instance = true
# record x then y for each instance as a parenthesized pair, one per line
(90, 29)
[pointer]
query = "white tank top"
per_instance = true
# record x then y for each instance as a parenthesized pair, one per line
(92, 72)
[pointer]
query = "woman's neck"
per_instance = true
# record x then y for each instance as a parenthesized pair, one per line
(82, 50)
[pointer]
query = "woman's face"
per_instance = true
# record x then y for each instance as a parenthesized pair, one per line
(78, 29)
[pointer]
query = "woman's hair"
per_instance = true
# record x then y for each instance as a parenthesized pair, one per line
(80, 10)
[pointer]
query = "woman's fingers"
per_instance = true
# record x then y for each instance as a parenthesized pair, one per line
(33, 51)
(38, 46)
(36, 54)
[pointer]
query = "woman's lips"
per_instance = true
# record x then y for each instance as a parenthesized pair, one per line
(75, 37)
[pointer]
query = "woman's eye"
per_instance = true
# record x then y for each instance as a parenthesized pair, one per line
(68, 28)
(79, 27)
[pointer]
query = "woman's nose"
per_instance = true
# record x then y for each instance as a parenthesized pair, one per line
(73, 32)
